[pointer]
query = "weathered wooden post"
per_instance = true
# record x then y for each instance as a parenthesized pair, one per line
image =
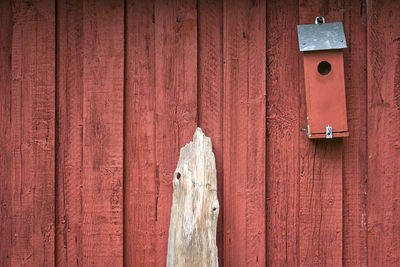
(195, 207)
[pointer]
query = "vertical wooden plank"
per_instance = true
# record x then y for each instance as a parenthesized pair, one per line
(32, 133)
(139, 131)
(383, 138)
(176, 101)
(321, 198)
(320, 219)
(69, 128)
(210, 91)
(5, 133)
(244, 133)
(283, 133)
(103, 85)
(355, 146)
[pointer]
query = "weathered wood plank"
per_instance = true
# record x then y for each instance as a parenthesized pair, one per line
(33, 133)
(282, 133)
(6, 155)
(103, 85)
(194, 213)
(383, 138)
(176, 98)
(210, 90)
(320, 227)
(355, 146)
(139, 130)
(244, 133)
(320, 218)
(69, 128)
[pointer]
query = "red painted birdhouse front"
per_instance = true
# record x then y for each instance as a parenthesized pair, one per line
(322, 44)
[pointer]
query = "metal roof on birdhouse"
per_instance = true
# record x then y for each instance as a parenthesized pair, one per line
(324, 36)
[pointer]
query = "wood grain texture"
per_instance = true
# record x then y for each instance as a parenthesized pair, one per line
(32, 133)
(176, 101)
(192, 238)
(103, 85)
(355, 146)
(70, 132)
(282, 133)
(320, 217)
(244, 133)
(210, 91)
(6, 155)
(383, 139)
(69, 129)
(140, 202)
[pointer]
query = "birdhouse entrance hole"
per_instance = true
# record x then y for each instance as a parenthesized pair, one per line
(324, 67)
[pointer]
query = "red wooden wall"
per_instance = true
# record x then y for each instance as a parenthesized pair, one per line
(97, 97)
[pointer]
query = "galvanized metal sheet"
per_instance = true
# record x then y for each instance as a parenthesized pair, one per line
(323, 36)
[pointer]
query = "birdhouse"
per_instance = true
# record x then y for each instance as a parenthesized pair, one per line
(322, 47)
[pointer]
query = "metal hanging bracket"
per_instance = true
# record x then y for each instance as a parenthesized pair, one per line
(329, 132)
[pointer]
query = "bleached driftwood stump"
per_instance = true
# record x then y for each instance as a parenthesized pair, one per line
(195, 207)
